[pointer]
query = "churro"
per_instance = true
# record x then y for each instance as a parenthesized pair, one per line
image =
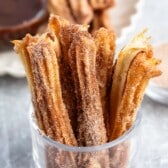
(82, 56)
(134, 67)
(65, 32)
(44, 80)
(105, 43)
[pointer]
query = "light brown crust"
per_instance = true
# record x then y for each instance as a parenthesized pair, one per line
(65, 32)
(20, 47)
(134, 67)
(133, 93)
(45, 73)
(82, 56)
(105, 44)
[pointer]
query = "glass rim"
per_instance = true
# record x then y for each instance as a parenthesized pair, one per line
(64, 147)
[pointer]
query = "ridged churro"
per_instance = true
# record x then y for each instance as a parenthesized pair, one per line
(82, 56)
(105, 44)
(65, 32)
(134, 67)
(45, 80)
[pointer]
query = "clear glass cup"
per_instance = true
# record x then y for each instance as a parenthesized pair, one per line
(123, 152)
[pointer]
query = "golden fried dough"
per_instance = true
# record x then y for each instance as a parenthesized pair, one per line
(82, 56)
(134, 67)
(105, 44)
(65, 32)
(45, 80)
